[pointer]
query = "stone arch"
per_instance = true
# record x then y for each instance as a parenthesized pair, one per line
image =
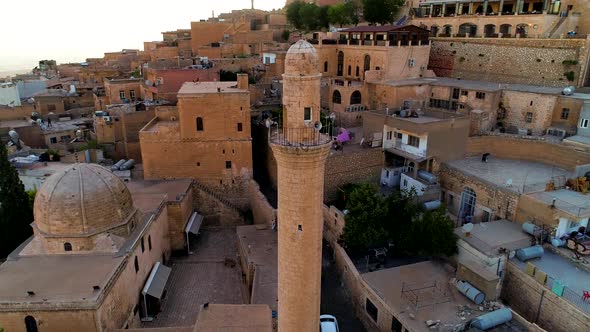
(489, 30)
(447, 29)
(67, 246)
(31, 324)
(468, 28)
(356, 97)
(434, 30)
(340, 63)
(506, 29)
(522, 29)
(336, 97)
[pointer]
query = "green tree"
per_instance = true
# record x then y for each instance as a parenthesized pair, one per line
(309, 14)
(433, 234)
(381, 11)
(293, 14)
(337, 15)
(401, 212)
(352, 11)
(364, 222)
(32, 194)
(16, 214)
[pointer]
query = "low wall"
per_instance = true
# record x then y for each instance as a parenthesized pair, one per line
(528, 149)
(262, 211)
(540, 305)
(333, 223)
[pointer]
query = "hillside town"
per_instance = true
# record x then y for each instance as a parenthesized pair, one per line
(331, 165)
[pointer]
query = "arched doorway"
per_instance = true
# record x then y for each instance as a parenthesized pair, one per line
(31, 324)
(358, 71)
(489, 30)
(468, 200)
(367, 63)
(447, 30)
(355, 98)
(336, 97)
(468, 28)
(434, 30)
(340, 63)
(349, 70)
(522, 29)
(505, 29)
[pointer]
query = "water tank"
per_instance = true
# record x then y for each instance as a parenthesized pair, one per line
(492, 319)
(557, 242)
(525, 254)
(117, 165)
(470, 292)
(529, 228)
(427, 176)
(432, 205)
(403, 113)
(127, 165)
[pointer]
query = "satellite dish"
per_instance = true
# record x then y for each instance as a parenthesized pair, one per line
(467, 228)
(14, 138)
(332, 116)
(568, 90)
(317, 126)
(79, 133)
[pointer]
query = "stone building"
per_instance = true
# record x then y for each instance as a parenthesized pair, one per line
(301, 152)
(119, 91)
(206, 139)
(95, 244)
(164, 84)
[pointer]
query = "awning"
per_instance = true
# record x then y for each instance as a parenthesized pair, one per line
(156, 282)
(194, 223)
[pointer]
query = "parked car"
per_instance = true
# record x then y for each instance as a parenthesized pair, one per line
(328, 323)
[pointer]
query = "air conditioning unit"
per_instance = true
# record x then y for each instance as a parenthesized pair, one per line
(411, 62)
(556, 132)
(522, 132)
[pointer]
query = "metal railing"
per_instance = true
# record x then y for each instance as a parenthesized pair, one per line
(571, 296)
(297, 137)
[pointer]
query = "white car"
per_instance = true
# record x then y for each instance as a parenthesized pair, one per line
(328, 323)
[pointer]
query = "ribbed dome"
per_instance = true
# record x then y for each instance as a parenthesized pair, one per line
(83, 199)
(302, 59)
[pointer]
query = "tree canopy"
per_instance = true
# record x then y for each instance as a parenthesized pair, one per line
(375, 220)
(381, 11)
(311, 17)
(16, 213)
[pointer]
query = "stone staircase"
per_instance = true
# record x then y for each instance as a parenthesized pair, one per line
(555, 26)
(216, 195)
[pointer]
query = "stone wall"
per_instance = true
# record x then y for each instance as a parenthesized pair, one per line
(528, 149)
(333, 224)
(179, 211)
(215, 209)
(66, 320)
(539, 305)
(262, 211)
(351, 167)
(531, 61)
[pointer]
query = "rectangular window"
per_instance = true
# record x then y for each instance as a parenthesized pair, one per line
(307, 114)
(464, 93)
(396, 325)
(239, 126)
(371, 310)
(584, 123)
(480, 95)
(565, 113)
(50, 107)
(122, 94)
(53, 140)
(199, 124)
(132, 94)
(413, 141)
(529, 117)
(228, 164)
(142, 245)
(150, 242)
(456, 92)
(389, 135)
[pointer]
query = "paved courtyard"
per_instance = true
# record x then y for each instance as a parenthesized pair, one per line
(200, 278)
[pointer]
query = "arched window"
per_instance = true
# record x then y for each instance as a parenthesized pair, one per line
(349, 70)
(489, 30)
(468, 28)
(367, 62)
(410, 168)
(325, 66)
(355, 98)
(67, 246)
(31, 324)
(434, 30)
(522, 29)
(468, 200)
(358, 72)
(336, 97)
(340, 63)
(199, 124)
(505, 29)
(448, 29)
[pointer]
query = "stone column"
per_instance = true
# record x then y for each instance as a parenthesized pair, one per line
(460, 9)
(444, 9)
(501, 8)
(431, 9)
(485, 7)
(456, 8)
(545, 6)
(471, 8)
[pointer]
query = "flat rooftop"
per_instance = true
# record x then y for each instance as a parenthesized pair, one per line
(260, 245)
(473, 85)
(519, 176)
(569, 201)
(234, 318)
(170, 128)
(433, 303)
(189, 88)
(174, 189)
(490, 236)
(46, 276)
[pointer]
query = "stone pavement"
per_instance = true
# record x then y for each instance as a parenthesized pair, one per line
(200, 278)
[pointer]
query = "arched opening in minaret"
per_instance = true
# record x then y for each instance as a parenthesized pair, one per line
(336, 97)
(355, 98)
(340, 63)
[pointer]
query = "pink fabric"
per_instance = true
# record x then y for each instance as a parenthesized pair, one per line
(343, 136)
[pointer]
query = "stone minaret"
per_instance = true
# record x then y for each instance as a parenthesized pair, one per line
(301, 152)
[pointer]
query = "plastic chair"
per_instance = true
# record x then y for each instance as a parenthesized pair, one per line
(585, 296)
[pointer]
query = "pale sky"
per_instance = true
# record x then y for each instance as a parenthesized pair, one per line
(73, 30)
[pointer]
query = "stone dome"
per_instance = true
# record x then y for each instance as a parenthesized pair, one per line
(82, 200)
(302, 59)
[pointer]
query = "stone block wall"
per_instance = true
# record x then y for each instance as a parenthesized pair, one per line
(50, 320)
(263, 212)
(333, 223)
(539, 305)
(510, 60)
(531, 111)
(179, 211)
